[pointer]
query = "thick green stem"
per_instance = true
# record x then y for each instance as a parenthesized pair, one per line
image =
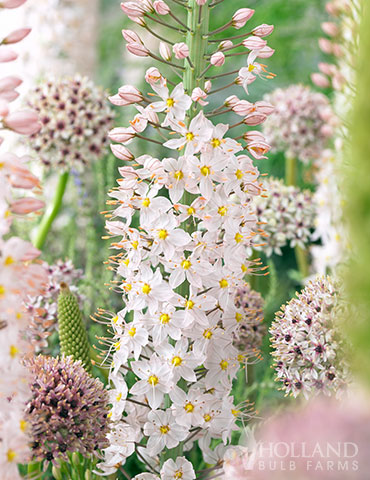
(34, 470)
(291, 179)
(290, 170)
(52, 212)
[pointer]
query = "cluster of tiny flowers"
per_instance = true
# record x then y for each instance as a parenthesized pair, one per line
(184, 225)
(43, 308)
(308, 350)
(68, 409)
(75, 119)
(20, 276)
(287, 214)
(249, 335)
(300, 124)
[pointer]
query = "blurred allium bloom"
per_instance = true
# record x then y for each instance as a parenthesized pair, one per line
(67, 411)
(300, 123)
(309, 352)
(287, 214)
(249, 335)
(43, 308)
(75, 118)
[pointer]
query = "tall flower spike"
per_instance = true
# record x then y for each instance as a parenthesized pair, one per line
(184, 225)
(72, 331)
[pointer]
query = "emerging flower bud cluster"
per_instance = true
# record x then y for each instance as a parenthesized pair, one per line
(75, 118)
(287, 214)
(43, 308)
(300, 124)
(308, 348)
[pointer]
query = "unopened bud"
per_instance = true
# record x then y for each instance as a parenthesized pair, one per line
(181, 50)
(217, 59)
(241, 17)
(165, 51)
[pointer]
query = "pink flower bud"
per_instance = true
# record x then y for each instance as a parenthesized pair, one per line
(16, 36)
(122, 153)
(258, 149)
(26, 205)
(217, 59)
(161, 7)
(265, 52)
(9, 95)
(225, 45)
(264, 107)
(327, 68)
(198, 95)
(153, 76)
(326, 45)
(9, 83)
(137, 49)
(330, 29)
(25, 122)
(254, 136)
(327, 131)
(241, 107)
(121, 134)
(254, 43)
(130, 36)
(320, 80)
(133, 9)
(11, 3)
(254, 118)
(4, 110)
(232, 101)
(241, 17)
(337, 50)
(201, 2)
(7, 55)
(117, 100)
(130, 94)
(165, 51)
(263, 30)
(181, 50)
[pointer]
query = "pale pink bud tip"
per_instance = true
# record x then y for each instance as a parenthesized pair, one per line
(132, 9)
(165, 51)
(330, 29)
(137, 49)
(198, 95)
(11, 3)
(254, 43)
(241, 17)
(161, 7)
(26, 205)
(217, 59)
(7, 55)
(24, 122)
(320, 80)
(181, 50)
(201, 2)
(130, 94)
(121, 152)
(263, 30)
(17, 35)
(225, 45)
(130, 36)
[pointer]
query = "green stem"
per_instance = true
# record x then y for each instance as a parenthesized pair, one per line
(52, 212)
(291, 179)
(290, 170)
(34, 469)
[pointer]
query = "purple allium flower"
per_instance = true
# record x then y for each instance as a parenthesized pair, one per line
(251, 330)
(308, 349)
(68, 409)
(287, 214)
(300, 123)
(75, 118)
(43, 308)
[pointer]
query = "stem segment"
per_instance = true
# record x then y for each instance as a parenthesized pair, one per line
(52, 212)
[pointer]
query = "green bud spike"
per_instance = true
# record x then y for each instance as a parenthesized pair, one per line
(72, 332)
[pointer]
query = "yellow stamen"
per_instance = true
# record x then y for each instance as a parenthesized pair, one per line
(189, 407)
(189, 304)
(170, 102)
(132, 332)
(162, 234)
(215, 142)
(224, 283)
(176, 361)
(189, 136)
(178, 175)
(164, 318)
(153, 380)
(9, 261)
(186, 264)
(146, 202)
(11, 454)
(222, 211)
(224, 364)
(146, 289)
(164, 429)
(205, 171)
(13, 351)
(239, 174)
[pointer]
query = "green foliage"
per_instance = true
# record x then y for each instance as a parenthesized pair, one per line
(72, 332)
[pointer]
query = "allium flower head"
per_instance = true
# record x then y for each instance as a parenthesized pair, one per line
(287, 214)
(299, 124)
(308, 349)
(75, 118)
(251, 330)
(68, 409)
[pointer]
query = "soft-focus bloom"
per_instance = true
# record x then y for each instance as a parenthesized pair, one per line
(287, 215)
(296, 125)
(309, 352)
(24, 122)
(75, 119)
(75, 404)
